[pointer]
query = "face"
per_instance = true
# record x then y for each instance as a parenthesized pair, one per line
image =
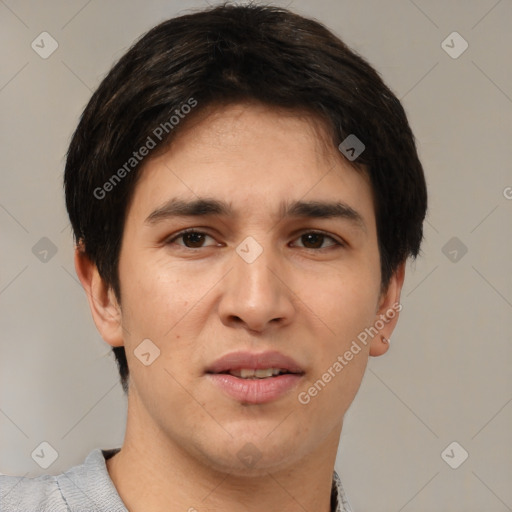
(270, 266)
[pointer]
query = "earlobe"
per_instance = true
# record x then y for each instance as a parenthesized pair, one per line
(387, 314)
(105, 309)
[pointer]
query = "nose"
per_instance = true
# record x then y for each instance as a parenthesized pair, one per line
(258, 295)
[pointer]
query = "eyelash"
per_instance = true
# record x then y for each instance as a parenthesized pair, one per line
(314, 232)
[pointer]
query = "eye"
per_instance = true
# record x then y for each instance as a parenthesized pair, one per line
(316, 239)
(194, 239)
(191, 238)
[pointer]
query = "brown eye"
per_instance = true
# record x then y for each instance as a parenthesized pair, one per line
(191, 239)
(315, 240)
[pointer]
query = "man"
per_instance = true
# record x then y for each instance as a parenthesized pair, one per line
(244, 192)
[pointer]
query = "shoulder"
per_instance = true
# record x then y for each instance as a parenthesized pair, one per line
(82, 488)
(31, 494)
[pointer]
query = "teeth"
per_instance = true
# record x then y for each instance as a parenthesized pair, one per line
(249, 373)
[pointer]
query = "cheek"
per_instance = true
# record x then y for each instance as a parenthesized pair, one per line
(345, 307)
(155, 295)
(166, 305)
(340, 358)
(345, 301)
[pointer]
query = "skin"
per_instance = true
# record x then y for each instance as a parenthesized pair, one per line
(307, 299)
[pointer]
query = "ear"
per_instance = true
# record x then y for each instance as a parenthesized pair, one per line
(388, 312)
(105, 310)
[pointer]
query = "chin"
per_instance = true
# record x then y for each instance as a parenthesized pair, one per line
(255, 456)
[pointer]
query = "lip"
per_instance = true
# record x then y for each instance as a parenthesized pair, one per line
(255, 391)
(257, 361)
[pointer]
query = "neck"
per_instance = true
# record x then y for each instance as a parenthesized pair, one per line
(155, 472)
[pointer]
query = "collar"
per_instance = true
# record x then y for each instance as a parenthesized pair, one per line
(339, 501)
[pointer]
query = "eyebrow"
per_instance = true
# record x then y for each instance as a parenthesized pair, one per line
(203, 207)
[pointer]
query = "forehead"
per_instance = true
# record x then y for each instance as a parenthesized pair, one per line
(240, 127)
(254, 154)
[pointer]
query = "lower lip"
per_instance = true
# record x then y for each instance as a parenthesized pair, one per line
(255, 391)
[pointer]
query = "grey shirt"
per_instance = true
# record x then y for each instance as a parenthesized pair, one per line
(88, 488)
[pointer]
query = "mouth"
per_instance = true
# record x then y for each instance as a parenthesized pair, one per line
(255, 378)
(252, 373)
(249, 365)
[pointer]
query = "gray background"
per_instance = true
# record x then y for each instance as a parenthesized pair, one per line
(447, 376)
